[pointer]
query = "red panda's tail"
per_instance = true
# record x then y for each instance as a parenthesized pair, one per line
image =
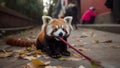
(19, 42)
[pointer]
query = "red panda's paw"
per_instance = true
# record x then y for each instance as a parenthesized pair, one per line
(65, 53)
(55, 55)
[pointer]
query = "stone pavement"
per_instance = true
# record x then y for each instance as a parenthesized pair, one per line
(100, 46)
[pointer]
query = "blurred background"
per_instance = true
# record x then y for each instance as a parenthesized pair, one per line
(26, 13)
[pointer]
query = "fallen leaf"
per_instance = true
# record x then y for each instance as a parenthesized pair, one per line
(47, 62)
(56, 67)
(70, 59)
(74, 59)
(81, 66)
(62, 59)
(83, 36)
(76, 55)
(29, 57)
(50, 66)
(38, 62)
(107, 41)
(6, 54)
(96, 41)
(29, 65)
(31, 48)
(45, 56)
(94, 65)
(38, 52)
(113, 46)
(21, 52)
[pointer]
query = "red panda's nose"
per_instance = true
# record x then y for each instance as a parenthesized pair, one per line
(60, 34)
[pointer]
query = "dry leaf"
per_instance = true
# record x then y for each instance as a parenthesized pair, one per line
(32, 48)
(6, 54)
(38, 52)
(21, 52)
(76, 55)
(74, 59)
(56, 67)
(113, 46)
(29, 65)
(70, 59)
(83, 36)
(62, 59)
(29, 57)
(96, 41)
(45, 56)
(38, 62)
(81, 66)
(107, 41)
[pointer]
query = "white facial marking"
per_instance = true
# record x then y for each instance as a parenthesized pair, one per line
(58, 32)
(62, 26)
(56, 26)
(49, 30)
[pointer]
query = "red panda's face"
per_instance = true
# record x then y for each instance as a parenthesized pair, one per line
(57, 27)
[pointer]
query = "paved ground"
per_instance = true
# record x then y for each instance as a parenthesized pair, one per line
(99, 45)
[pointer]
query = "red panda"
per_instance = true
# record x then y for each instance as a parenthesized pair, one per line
(47, 39)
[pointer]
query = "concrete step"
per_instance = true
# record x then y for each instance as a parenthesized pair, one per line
(114, 28)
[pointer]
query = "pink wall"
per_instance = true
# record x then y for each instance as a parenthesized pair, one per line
(98, 4)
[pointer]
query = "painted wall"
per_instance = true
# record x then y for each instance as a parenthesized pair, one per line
(98, 4)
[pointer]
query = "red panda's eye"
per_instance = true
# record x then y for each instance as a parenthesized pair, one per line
(56, 29)
(63, 29)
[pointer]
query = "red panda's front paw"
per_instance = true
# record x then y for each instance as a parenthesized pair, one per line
(65, 53)
(55, 55)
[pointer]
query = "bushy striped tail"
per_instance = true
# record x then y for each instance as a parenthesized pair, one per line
(19, 42)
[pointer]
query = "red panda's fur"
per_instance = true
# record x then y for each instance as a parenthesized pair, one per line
(19, 42)
(47, 37)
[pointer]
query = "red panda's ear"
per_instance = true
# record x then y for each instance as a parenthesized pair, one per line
(68, 19)
(46, 19)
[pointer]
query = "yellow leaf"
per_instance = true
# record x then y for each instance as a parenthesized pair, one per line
(38, 62)
(96, 41)
(62, 59)
(76, 55)
(38, 52)
(96, 65)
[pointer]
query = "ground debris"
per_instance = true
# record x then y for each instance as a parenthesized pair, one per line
(107, 41)
(6, 54)
(81, 66)
(56, 67)
(98, 41)
(70, 59)
(37, 62)
(113, 46)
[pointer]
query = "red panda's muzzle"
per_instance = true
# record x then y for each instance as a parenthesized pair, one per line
(61, 34)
